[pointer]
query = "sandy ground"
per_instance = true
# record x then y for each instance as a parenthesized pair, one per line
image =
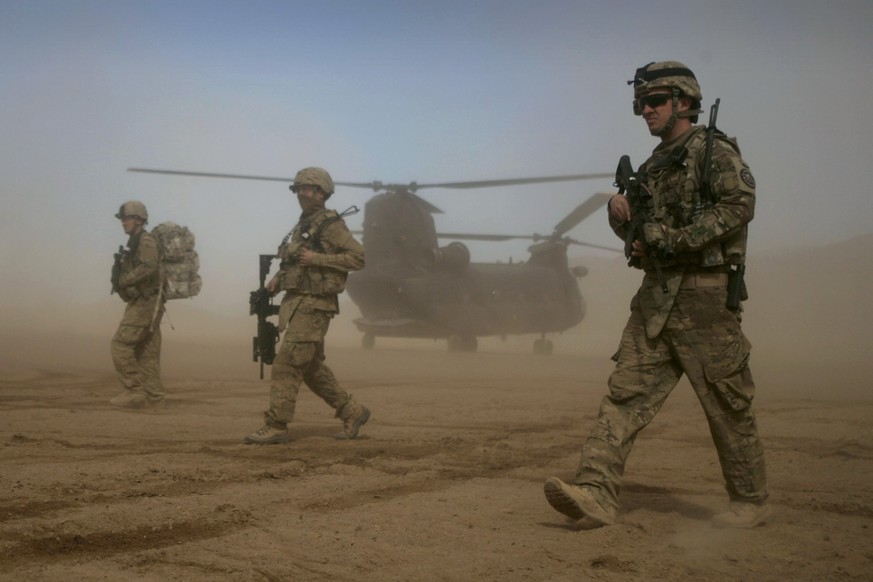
(446, 481)
(444, 484)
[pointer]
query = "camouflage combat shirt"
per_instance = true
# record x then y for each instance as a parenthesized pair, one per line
(705, 243)
(315, 287)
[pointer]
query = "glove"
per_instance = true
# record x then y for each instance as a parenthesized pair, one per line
(654, 235)
(663, 237)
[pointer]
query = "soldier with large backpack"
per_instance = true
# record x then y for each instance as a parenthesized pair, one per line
(136, 345)
(156, 266)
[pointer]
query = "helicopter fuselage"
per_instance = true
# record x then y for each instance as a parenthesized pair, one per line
(413, 288)
(480, 300)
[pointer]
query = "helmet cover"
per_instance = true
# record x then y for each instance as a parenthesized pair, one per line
(313, 177)
(133, 208)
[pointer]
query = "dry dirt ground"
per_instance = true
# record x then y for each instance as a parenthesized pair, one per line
(444, 484)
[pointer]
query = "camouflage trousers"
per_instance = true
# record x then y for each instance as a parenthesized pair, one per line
(703, 340)
(136, 353)
(300, 362)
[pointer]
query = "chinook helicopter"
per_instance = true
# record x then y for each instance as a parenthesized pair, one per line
(411, 287)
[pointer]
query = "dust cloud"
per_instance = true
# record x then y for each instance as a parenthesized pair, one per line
(452, 462)
(806, 320)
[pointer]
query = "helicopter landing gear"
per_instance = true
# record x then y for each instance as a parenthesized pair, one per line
(462, 343)
(543, 347)
(368, 341)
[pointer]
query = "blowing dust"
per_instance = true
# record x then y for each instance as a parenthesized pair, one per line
(459, 441)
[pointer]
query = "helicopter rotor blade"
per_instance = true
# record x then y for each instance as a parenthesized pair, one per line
(208, 175)
(585, 244)
(582, 212)
(514, 181)
(506, 237)
(377, 186)
(485, 237)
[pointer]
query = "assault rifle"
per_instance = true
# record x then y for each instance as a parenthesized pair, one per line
(315, 241)
(261, 300)
(261, 304)
(116, 269)
(705, 200)
(638, 198)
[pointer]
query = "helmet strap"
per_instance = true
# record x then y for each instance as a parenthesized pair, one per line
(676, 114)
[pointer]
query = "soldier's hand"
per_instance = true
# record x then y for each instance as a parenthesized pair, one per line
(271, 285)
(305, 257)
(655, 234)
(637, 249)
(619, 209)
(663, 237)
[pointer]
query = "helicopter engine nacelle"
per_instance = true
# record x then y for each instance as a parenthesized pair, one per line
(453, 257)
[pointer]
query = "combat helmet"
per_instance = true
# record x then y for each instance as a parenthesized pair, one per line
(671, 75)
(133, 208)
(313, 177)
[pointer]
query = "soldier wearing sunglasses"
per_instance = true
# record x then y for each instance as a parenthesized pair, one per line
(689, 329)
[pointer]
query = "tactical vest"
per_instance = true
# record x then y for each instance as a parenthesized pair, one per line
(131, 261)
(674, 177)
(310, 233)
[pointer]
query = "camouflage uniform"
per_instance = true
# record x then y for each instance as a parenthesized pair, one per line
(680, 322)
(136, 345)
(687, 330)
(309, 304)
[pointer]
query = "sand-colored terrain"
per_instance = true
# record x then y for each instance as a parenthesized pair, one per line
(446, 481)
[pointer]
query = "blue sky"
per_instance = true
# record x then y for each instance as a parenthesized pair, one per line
(400, 91)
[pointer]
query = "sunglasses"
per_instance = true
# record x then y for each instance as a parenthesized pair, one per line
(654, 101)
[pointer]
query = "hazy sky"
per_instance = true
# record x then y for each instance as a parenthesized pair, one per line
(399, 91)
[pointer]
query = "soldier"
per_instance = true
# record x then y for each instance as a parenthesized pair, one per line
(688, 329)
(314, 265)
(136, 346)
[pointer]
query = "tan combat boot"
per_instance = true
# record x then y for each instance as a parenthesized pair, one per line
(268, 435)
(577, 503)
(354, 416)
(129, 399)
(742, 515)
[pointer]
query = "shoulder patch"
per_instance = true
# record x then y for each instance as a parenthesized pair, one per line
(747, 178)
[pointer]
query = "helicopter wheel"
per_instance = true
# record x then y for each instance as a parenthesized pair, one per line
(469, 343)
(462, 343)
(368, 341)
(543, 347)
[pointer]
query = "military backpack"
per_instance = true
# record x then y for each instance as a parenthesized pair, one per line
(179, 261)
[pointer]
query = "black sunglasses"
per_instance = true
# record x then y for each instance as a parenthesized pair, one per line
(654, 101)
